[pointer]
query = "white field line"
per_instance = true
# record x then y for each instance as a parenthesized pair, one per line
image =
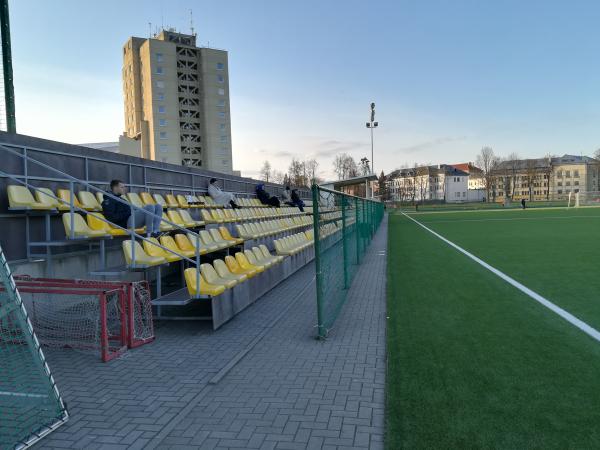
(510, 219)
(592, 332)
(497, 210)
(22, 394)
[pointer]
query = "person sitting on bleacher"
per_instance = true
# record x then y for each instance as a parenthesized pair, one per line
(220, 197)
(265, 198)
(123, 215)
(291, 198)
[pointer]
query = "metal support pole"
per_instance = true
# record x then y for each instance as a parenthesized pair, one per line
(197, 265)
(102, 254)
(345, 243)
(9, 90)
(158, 281)
(357, 230)
(72, 209)
(322, 332)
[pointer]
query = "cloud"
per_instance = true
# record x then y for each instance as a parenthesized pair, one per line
(332, 147)
(432, 143)
(276, 153)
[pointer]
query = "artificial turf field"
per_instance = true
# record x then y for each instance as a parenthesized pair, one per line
(472, 361)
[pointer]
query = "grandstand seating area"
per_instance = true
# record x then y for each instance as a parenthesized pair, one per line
(245, 252)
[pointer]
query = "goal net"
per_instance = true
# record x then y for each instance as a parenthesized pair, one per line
(587, 198)
(30, 404)
(102, 316)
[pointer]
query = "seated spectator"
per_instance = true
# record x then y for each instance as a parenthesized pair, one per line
(125, 216)
(286, 196)
(297, 201)
(219, 196)
(265, 198)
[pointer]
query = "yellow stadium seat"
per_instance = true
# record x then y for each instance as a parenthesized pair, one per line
(19, 197)
(80, 227)
(171, 201)
(97, 221)
(224, 272)
(164, 225)
(210, 242)
(89, 201)
(139, 258)
(208, 247)
(160, 200)
(245, 264)
(134, 199)
(152, 249)
(47, 197)
(195, 202)
(169, 242)
(235, 268)
(268, 254)
(64, 196)
(182, 201)
(100, 196)
(207, 217)
(175, 217)
(147, 198)
(218, 238)
(184, 243)
(228, 237)
(205, 288)
(187, 217)
(252, 259)
(211, 275)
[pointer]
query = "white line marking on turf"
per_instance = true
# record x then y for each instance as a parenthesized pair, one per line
(510, 219)
(592, 332)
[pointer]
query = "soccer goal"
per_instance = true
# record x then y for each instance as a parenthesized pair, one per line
(587, 198)
(102, 316)
(30, 404)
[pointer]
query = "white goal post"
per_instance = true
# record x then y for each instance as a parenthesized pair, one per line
(584, 198)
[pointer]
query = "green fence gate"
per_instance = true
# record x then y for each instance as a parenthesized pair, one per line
(30, 405)
(343, 227)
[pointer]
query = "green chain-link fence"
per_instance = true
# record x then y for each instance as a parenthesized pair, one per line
(30, 405)
(344, 226)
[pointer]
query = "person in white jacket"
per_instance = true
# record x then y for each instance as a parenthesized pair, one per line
(219, 196)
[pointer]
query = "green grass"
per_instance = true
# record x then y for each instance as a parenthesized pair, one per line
(472, 361)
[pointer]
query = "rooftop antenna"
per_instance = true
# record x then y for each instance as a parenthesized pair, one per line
(149, 30)
(192, 22)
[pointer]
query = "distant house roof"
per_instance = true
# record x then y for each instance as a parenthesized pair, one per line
(350, 181)
(467, 167)
(574, 159)
(430, 170)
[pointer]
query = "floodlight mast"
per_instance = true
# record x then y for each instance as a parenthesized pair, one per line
(372, 125)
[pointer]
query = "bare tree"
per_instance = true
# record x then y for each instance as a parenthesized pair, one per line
(422, 181)
(531, 173)
(344, 166)
(265, 172)
(547, 171)
(277, 177)
(311, 166)
(597, 154)
(383, 191)
(488, 163)
(297, 173)
(512, 166)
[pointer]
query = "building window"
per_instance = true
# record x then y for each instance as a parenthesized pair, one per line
(159, 70)
(568, 183)
(222, 115)
(220, 66)
(567, 173)
(160, 96)
(163, 148)
(560, 183)
(160, 84)
(221, 103)
(559, 174)
(576, 191)
(163, 134)
(220, 78)
(221, 91)
(559, 191)
(159, 57)
(222, 126)
(162, 122)
(162, 109)
(223, 139)
(576, 183)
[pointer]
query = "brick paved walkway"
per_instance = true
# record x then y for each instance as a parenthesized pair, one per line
(284, 389)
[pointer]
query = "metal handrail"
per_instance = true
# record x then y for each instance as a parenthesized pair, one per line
(132, 232)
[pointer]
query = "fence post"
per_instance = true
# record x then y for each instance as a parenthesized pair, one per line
(345, 243)
(71, 210)
(197, 265)
(319, 275)
(357, 230)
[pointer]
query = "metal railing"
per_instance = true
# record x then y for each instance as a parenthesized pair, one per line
(131, 232)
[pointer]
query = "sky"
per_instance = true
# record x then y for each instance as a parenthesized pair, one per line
(447, 77)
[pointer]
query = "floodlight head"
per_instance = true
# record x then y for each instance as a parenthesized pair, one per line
(375, 124)
(368, 125)
(372, 105)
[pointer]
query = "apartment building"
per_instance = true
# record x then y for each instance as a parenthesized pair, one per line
(544, 178)
(176, 98)
(428, 183)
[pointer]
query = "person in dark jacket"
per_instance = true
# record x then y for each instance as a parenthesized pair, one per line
(523, 203)
(265, 198)
(125, 216)
(297, 201)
